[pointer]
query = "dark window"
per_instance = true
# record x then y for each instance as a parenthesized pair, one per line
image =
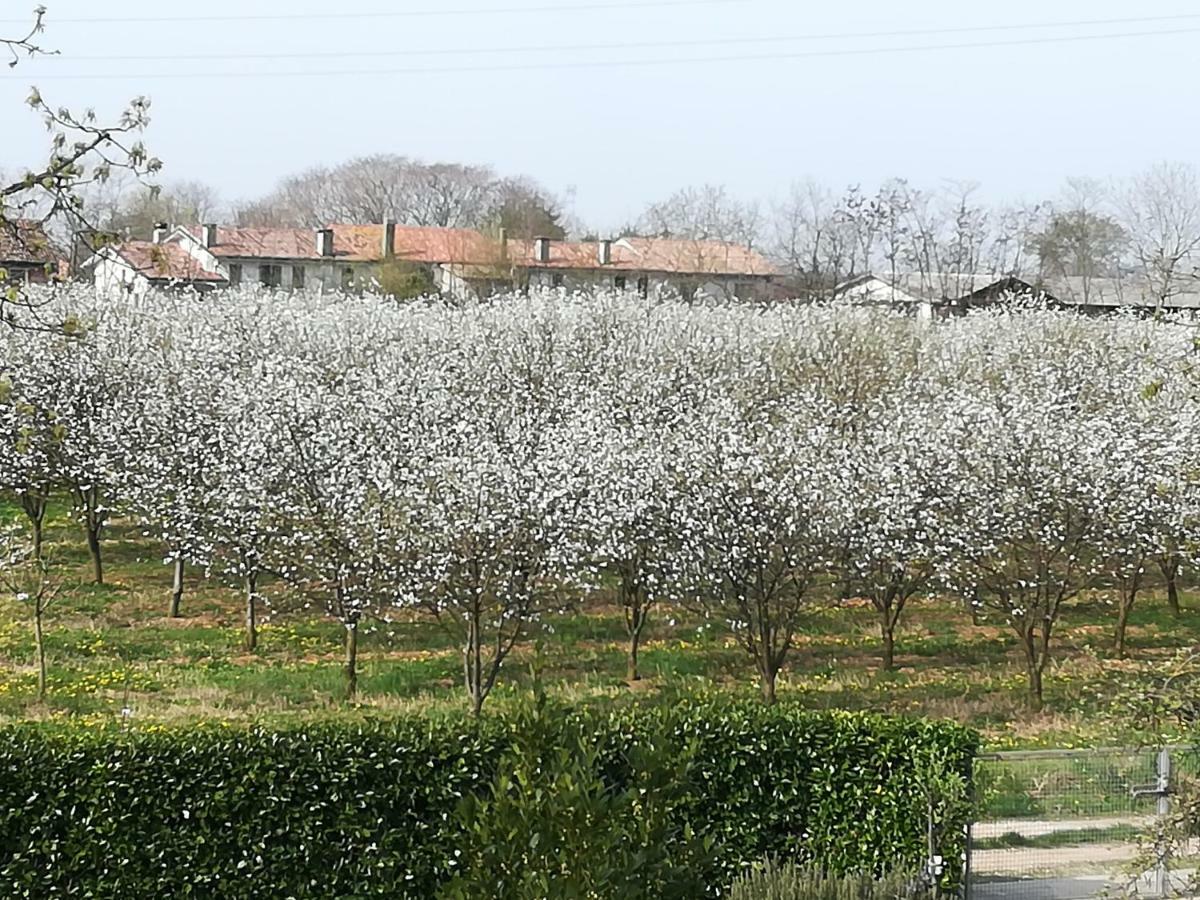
(644, 286)
(557, 280)
(347, 278)
(744, 290)
(619, 282)
(270, 276)
(297, 278)
(235, 273)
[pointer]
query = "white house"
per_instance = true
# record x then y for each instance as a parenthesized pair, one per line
(459, 263)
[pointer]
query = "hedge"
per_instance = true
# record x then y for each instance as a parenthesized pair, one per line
(351, 810)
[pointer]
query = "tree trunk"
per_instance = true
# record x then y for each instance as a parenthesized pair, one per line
(1170, 570)
(40, 646)
(351, 669)
(177, 588)
(35, 510)
(251, 639)
(632, 673)
(1034, 670)
(888, 630)
(769, 675)
(1129, 591)
(93, 542)
(473, 665)
(1122, 625)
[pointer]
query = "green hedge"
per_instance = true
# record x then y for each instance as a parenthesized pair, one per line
(359, 810)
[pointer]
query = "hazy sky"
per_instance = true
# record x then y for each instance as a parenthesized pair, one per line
(1017, 118)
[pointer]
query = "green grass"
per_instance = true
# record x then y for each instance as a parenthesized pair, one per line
(111, 647)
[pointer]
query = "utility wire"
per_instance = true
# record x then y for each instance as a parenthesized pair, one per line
(628, 63)
(382, 14)
(634, 45)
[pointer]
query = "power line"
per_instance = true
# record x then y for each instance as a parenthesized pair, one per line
(635, 45)
(631, 63)
(382, 14)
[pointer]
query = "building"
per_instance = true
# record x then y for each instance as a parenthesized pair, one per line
(459, 263)
(937, 295)
(27, 255)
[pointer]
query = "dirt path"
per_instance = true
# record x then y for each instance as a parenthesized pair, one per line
(1040, 828)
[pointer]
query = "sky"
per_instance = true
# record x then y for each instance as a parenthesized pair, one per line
(618, 103)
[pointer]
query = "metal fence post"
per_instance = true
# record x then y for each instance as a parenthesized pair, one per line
(1161, 869)
(965, 891)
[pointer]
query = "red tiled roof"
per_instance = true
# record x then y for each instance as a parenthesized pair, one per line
(356, 243)
(364, 243)
(675, 257)
(24, 242)
(697, 257)
(165, 262)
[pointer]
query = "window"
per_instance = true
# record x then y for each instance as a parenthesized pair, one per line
(270, 276)
(347, 278)
(297, 278)
(644, 286)
(235, 274)
(557, 280)
(744, 290)
(619, 282)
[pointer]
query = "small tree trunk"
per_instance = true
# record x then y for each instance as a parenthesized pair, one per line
(1170, 570)
(1129, 591)
(1122, 625)
(177, 588)
(473, 665)
(35, 505)
(40, 646)
(768, 688)
(888, 631)
(1034, 670)
(351, 669)
(93, 542)
(632, 673)
(251, 638)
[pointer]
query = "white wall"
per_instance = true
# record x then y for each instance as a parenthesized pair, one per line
(114, 278)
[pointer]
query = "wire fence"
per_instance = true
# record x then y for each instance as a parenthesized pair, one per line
(1074, 824)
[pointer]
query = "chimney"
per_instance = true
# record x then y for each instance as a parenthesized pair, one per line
(389, 238)
(160, 232)
(324, 242)
(209, 236)
(606, 253)
(541, 250)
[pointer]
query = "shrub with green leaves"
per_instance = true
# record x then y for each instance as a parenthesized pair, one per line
(410, 808)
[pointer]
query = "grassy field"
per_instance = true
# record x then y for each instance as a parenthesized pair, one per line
(112, 648)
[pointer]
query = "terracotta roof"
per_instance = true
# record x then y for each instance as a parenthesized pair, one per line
(675, 257)
(364, 243)
(166, 262)
(355, 243)
(24, 242)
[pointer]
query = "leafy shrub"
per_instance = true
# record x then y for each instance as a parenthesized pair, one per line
(552, 825)
(404, 807)
(774, 881)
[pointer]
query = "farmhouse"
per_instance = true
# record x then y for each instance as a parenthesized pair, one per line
(26, 254)
(930, 295)
(459, 263)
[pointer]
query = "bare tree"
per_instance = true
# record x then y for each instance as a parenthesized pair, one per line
(708, 212)
(25, 574)
(812, 239)
(1160, 210)
(1081, 241)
